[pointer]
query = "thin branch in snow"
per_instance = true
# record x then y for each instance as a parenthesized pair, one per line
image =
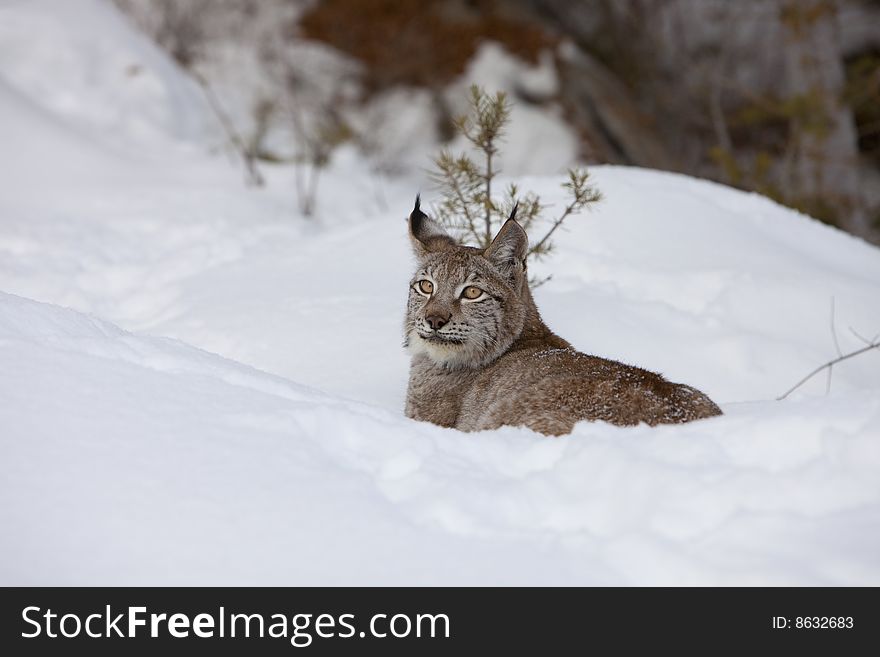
(834, 330)
(253, 175)
(863, 338)
(875, 344)
(836, 347)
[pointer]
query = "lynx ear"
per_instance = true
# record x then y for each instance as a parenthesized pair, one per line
(509, 248)
(425, 234)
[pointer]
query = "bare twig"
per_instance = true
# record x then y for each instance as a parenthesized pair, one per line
(863, 338)
(716, 108)
(873, 345)
(836, 347)
(254, 177)
(834, 330)
(556, 224)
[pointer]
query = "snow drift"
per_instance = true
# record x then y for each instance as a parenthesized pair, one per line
(142, 460)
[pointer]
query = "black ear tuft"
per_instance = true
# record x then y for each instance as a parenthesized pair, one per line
(426, 235)
(512, 212)
(416, 217)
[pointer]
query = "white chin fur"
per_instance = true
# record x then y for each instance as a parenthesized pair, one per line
(453, 355)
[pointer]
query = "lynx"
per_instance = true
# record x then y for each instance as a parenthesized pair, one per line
(482, 357)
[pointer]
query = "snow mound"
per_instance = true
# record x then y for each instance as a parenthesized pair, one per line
(81, 59)
(152, 462)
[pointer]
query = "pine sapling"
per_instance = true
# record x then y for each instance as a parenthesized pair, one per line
(468, 207)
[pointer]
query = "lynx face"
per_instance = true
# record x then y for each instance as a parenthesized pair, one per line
(464, 308)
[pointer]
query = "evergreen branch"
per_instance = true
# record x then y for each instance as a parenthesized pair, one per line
(583, 195)
(449, 178)
(468, 205)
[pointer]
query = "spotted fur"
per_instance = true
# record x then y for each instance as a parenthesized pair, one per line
(483, 363)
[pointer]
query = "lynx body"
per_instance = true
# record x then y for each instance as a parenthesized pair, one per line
(482, 357)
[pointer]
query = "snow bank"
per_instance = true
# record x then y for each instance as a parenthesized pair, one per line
(138, 460)
(220, 400)
(81, 59)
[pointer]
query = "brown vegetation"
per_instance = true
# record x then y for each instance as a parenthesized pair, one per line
(423, 43)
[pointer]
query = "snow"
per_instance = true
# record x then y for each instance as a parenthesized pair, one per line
(198, 386)
(105, 78)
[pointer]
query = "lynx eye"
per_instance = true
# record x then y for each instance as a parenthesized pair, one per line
(425, 287)
(471, 292)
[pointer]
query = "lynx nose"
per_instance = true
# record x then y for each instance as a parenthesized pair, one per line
(436, 322)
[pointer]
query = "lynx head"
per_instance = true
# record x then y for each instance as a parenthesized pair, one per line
(466, 304)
